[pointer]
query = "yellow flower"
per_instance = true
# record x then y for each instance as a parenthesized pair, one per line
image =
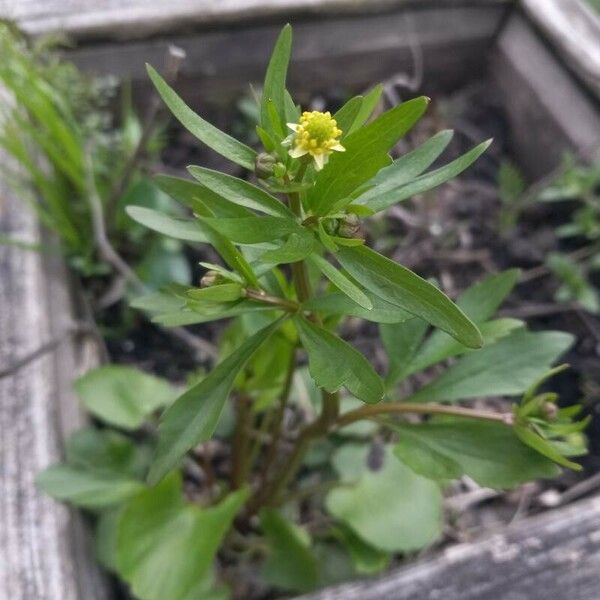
(317, 134)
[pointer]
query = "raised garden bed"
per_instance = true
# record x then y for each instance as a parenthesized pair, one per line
(460, 43)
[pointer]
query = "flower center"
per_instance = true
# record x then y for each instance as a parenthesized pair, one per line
(317, 131)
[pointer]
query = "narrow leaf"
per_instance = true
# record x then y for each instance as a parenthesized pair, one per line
(214, 138)
(194, 415)
(402, 287)
(180, 229)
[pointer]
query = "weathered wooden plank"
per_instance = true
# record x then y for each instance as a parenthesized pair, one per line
(555, 556)
(547, 109)
(131, 19)
(573, 29)
(45, 550)
(328, 54)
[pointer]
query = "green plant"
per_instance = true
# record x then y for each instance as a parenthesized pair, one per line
(321, 477)
(65, 151)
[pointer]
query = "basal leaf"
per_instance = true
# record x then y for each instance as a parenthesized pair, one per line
(166, 547)
(123, 396)
(290, 564)
(402, 287)
(334, 363)
(214, 138)
(391, 508)
(194, 415)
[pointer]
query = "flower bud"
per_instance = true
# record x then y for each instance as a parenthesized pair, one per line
(279, 170)
(550, 411)
(349, 226)
(264, 165)
(209, 279)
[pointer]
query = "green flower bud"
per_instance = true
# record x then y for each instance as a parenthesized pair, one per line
(210, 278)
(279, 170)
(264, 164)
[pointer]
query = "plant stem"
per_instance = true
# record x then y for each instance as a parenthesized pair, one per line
(299, 273)
(370, 411)
(261, 296)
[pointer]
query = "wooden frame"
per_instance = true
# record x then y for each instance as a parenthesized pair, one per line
(44, 549)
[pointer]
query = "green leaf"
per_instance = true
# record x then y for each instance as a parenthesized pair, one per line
(165, 547)
(334, 363)
(214, 138)
(437, 349)
(197, 312)
(297, 247)
(123, 396)
(369, 103)
(346, 115)
(428, 181)
(86, 488)
(180, 229)
(290, 564)
(490, 453)
(193, 417)
(366, 559)
(241, 192)
(366, 153)
(402, 287)
(505, 368)
(274, 85)
(192, 193)
(406, 167)
(255, 230)
(401, 342)
(391, 508)
(544, 447)
(225, 292)
(338, 303)
(341, 281)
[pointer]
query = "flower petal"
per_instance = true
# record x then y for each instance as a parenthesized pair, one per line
(293, 126)
(320, 160)
(297, 152)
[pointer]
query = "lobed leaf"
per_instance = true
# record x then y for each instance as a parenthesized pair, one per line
(402, 287)
(334, 363)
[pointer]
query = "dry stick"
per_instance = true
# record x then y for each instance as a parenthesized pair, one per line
(175, 58)
(111, 256)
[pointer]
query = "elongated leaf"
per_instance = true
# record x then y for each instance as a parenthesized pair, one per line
(180, 229)
(165, 547)
(196, 313)
(241, 192)
(225, 292)
(402, 287)
(214, 138)
(296, 247)
(428, 181)
(366, 153)
(254, 230)
(505, 368)
(274, 86)
(544, 448)
(191, 193)
(194, 415)
(85, 488)
(489, 453)
(405, 168)
(391, 508)
(123, 396)
(401, 342)
(290, 565)
(334, 363)
(338, 303)
(346, 115)
(341, 282)
(369, 103)
(437, 349)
